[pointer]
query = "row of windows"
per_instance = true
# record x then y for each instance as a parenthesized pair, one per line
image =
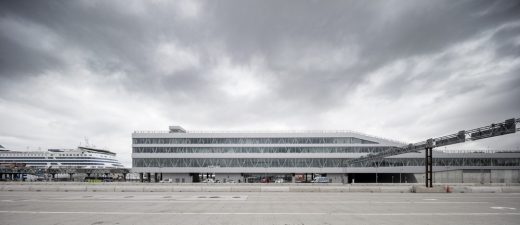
(54, 161)
(353, 149)
(82, 164)
(14, 157)
(313, 162)
(43, 164)
(50, 158)
(46, 155)
(294, 140)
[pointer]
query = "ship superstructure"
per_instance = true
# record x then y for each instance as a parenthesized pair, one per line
(81, 157)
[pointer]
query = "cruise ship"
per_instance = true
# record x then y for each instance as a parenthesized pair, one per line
(81, 157)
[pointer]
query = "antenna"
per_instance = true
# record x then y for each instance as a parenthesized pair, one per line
(86, 142)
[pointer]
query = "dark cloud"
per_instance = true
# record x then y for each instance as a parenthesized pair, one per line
(387, 68)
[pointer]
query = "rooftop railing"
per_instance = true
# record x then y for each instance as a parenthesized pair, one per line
(477, 151)
(273, 132)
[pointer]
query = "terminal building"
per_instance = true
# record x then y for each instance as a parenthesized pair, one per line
(181, 156)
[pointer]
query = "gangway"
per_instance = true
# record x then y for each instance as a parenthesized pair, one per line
(493, 130)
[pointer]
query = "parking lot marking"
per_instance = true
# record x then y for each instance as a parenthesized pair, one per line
(258, 213)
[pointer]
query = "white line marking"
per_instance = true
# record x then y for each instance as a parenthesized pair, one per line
(500, 207)
(256, 213)
(238, 201)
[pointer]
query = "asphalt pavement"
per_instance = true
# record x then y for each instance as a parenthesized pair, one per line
(258, 208)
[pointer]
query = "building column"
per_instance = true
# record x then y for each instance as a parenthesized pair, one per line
(141, 177)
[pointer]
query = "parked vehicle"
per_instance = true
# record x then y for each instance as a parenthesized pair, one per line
(169, 180)
(320, 180)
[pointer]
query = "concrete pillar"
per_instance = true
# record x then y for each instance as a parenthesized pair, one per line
(141, 177)
(293, 178)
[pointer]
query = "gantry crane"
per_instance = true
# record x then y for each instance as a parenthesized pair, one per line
(493, 130)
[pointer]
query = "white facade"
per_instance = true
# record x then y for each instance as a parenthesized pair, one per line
(231, 155)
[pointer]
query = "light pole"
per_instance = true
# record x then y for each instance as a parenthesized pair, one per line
(401, 171)
(376, 173)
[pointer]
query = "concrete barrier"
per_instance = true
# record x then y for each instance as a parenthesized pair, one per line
(304, 189)
(128, 188)
(485, 189)
(246, 188)
(274, 189)
(100, 188)
(510, 189)
(17, 188)
(156, 187)
(364, 189)
(52, 188)
(459, 189)
(187, 189)
(434, 189)
(334, 189)
(396, 189)
(73, 188)
(216, 189)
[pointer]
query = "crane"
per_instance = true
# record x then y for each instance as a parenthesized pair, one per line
(493, 130)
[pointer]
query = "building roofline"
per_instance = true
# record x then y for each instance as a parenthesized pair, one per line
(271, 132)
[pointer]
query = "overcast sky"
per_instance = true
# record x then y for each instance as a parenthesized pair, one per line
(406, 70)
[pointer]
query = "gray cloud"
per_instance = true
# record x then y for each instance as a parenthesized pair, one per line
(401, 69)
